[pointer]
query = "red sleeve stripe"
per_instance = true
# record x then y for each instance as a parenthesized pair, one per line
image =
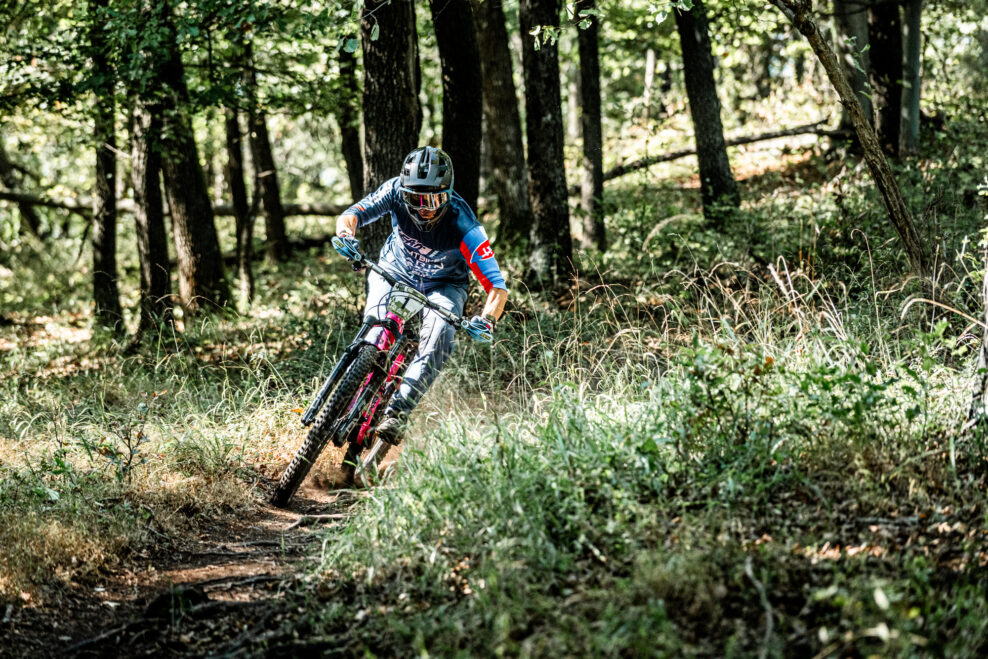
(484, 281)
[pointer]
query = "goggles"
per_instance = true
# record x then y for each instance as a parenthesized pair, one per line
(424, 201)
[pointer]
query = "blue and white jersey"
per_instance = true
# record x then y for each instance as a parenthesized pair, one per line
(456, 244)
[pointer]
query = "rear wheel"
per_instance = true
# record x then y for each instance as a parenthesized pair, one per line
(316, 440)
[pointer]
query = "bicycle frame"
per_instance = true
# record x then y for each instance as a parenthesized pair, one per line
(404, 302)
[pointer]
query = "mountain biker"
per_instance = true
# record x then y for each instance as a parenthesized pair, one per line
(435, 239)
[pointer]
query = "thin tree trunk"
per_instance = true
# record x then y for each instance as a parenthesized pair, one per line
(502, 123)
(977, 414)
(200, 266)
(9, 179)
(649, 81)
(572, 102)
(266, 173)
(270, 191)
(717, 186)
(851, 19)
(592, 192)
(550, 241)
(913, 80)
(106, 294)
(462, 92)
(348, 118)
(799, 13)
(392, 114)
(241, 211)
(149, 215)
(885, 37)
(762, 56)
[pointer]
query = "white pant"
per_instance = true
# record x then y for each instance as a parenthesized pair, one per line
(435, 336)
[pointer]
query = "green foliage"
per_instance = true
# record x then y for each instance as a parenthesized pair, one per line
(625, 506)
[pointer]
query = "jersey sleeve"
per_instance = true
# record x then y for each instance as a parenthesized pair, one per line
(376, 204)
(476, 250)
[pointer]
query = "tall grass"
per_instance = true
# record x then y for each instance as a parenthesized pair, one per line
(730, 481)
(105, 455)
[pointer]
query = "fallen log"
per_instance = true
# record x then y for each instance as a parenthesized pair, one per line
(642, 163)
(80, 206)
(84, 205)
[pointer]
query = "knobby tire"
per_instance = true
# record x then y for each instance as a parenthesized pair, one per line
(318, 436)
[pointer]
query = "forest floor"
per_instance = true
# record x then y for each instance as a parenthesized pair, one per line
(201, 595)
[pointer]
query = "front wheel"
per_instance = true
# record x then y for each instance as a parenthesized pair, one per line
(316, 440)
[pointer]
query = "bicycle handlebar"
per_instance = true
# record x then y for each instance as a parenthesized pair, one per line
(346, 251)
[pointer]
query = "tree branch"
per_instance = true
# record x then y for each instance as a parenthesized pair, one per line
(83, 205)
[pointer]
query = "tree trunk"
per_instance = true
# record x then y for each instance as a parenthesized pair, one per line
(977, 415)
(572, 102)
(149, 215)
(502, 123)
(200, 266)
(392, 114)
(266, 174)
(649, 81)
(762, 56)
(106, 294)
(979, 402)
(592, 188)
(462, 93)
(885, 37)
(550, 242)
(270, 192)
(9, 179)
(717, 186)
(913, 81)
(243, 220)
(798, 12)
(851, 19)
(348, 118)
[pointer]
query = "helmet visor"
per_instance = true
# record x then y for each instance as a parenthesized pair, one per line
(424, 201)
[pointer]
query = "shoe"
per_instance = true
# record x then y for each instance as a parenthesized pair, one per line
(391, 429)
(370, 473)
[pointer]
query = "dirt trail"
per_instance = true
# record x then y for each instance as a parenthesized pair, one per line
(206, 591)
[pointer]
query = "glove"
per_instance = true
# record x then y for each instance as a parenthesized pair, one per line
(347, 246)
(480, 329)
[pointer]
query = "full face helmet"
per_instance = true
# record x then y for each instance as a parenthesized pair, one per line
(426, 184)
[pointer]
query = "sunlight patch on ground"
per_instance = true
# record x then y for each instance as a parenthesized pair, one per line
(43, 330)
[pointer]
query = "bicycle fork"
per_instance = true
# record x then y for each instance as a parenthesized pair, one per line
(327, 387)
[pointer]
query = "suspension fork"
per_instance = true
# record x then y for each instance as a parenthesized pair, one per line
(348, 354)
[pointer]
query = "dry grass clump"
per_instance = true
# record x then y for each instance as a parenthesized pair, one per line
(40, 548)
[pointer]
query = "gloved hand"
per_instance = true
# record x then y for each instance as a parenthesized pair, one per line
(347, 246)
(481, 329)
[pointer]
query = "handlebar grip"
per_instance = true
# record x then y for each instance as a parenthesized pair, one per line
(478, 331)
(346, 249)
